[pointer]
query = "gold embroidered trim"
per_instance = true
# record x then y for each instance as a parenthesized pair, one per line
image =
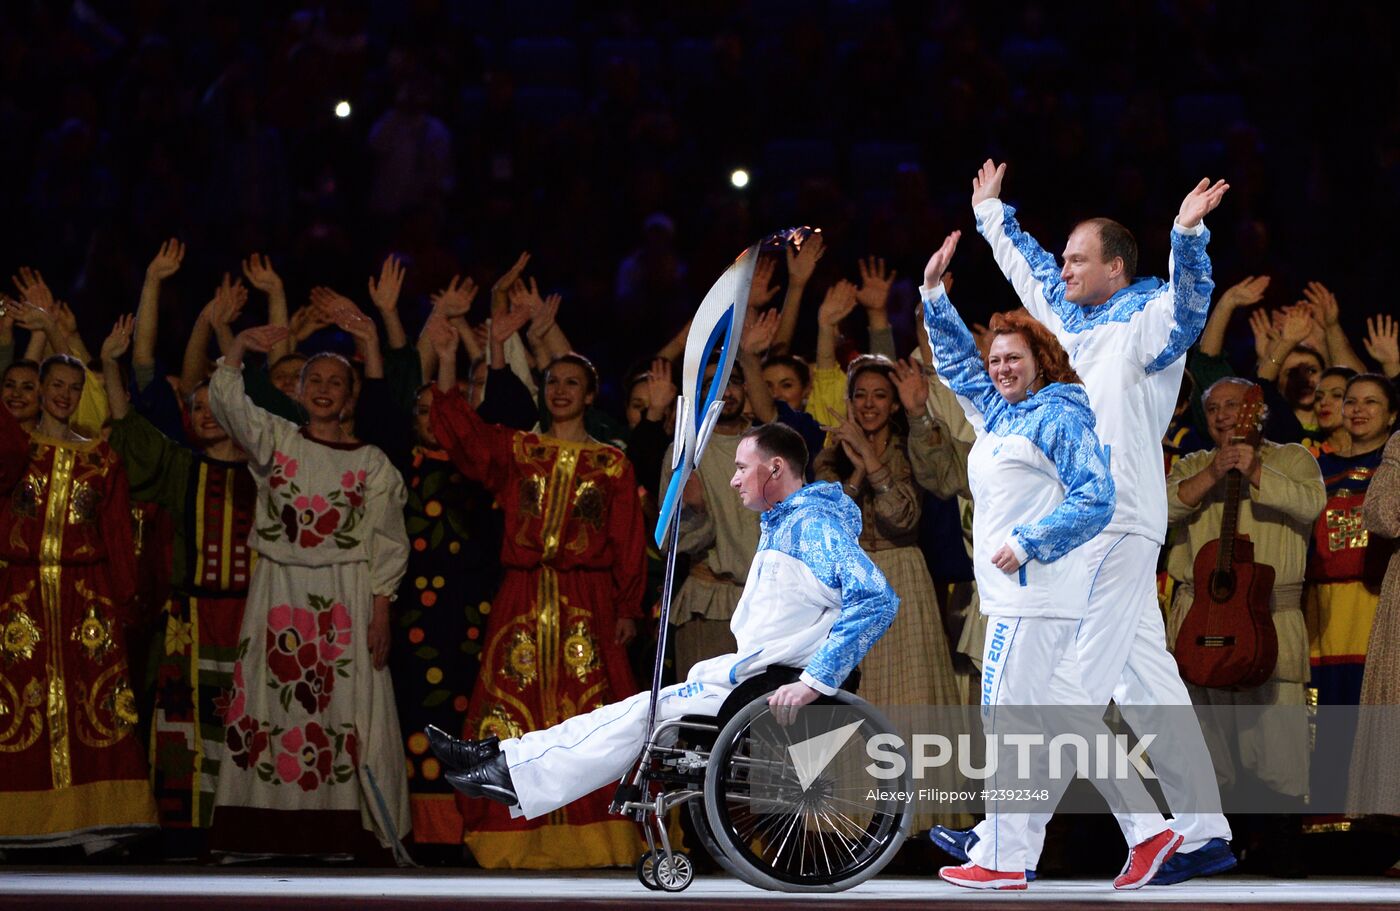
(26, 721)
(50, 577)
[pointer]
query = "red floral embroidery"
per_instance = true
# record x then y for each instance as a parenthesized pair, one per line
(352, 747)
(246, 741)
(334, 627)
(306, 651)
(284, 468)
(231, 705)
(292, 642)
(314, 689)
(306, 756)
(310, 520)
(353, 483)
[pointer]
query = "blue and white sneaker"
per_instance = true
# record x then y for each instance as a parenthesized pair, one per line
(1211, 858)
(957, 842)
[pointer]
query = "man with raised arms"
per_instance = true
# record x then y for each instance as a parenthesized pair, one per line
(1127, 339)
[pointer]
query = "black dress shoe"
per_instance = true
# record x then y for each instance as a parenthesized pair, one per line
(490, 779)
(459, 754)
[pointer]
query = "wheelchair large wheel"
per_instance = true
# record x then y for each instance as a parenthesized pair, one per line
(813, 818)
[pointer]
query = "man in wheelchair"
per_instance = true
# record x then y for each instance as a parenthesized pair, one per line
(812, 600)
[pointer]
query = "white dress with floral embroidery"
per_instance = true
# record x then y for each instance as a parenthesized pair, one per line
(311, 724)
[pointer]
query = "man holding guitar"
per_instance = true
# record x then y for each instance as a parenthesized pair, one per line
(1246, 495)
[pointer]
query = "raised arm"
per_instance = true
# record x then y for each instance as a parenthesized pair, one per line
(480, 450)
(165, 264)
(756, 339)
(223, 307)
(545, 338)
(504, 324)
(800, 265)
(1272, 347)
(873, 296)
(260, 274)
(50, 323)
(256, 431)
(500, 291)
(342, 312)
(72, 339)
(116, 345)
(1326, 313)
(1382, 343)
(7, 333)
(1171, 322)
(384, 292)
(1246, 293)
(1032, 270)
(674, 350)
(840, 300)
(450, 307)
(954, 351)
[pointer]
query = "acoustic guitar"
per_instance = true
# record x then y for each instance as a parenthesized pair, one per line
(1228, 639)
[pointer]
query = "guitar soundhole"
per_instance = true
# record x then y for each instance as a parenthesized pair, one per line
(1215, 641)
(1222, 585)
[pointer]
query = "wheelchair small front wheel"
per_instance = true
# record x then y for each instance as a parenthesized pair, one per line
(646, 871)
(673, 873)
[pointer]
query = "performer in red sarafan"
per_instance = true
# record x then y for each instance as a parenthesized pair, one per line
(569, 601)
(73, 773)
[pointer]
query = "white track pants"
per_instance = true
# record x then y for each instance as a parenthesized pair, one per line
(559, 765)
(1032, 661)
(1122, 646)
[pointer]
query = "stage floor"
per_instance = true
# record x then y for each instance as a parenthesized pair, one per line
(269, 889)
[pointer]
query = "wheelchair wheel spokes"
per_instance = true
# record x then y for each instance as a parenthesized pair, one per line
(778, 834)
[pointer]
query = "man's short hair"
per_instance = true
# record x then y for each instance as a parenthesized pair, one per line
(779, 441)
(1239, 381)
(1117, 241)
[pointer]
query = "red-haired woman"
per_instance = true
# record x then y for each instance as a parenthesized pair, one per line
(1041, 482)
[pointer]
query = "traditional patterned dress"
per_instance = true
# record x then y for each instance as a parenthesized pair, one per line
(910, 664)
(313, 760)
(1375, 764)
(439, 625)
(210, 571)
(1339, 607)
(71, 767)
(574, 565)
(1340, 603)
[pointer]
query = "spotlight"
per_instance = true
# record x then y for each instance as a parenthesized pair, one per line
(740, 178)
(342, 109)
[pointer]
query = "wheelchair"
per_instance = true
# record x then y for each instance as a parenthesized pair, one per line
(749, 803)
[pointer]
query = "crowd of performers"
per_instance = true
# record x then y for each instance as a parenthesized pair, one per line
(242, 604)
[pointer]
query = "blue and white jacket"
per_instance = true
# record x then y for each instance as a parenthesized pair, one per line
(1039, 478)
(812, 598)
(1129, 351)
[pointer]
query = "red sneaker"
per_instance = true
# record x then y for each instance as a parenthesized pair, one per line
(1146, 858)
(971, 876)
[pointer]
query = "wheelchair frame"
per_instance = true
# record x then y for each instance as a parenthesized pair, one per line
(771, 854)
